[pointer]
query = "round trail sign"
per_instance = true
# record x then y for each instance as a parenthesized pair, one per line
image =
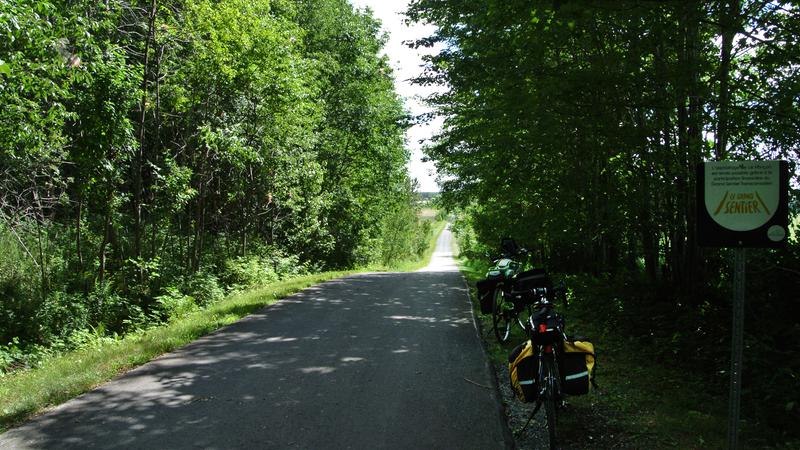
(742, 203)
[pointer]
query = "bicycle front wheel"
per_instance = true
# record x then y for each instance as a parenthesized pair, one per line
(500, 316)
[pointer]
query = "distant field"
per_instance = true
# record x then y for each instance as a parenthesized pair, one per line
(427, 213)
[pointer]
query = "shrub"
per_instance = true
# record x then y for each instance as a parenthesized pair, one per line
(18, 306)
(174, 304)
(109, 308)
(248, 271)
(20, 291)
(422, 237)
(90, 337)
(204, 288)
(62, 313)
(10, 355)
(286, 265)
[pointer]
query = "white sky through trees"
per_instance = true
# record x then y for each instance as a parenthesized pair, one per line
(406, 64)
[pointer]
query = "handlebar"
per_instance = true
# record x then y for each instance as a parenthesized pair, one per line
(520, 251)
(543, 294)
(544, 306)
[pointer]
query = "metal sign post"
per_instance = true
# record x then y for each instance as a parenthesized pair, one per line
(737, 342)
(741, 204)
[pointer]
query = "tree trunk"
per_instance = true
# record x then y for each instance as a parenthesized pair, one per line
(198, 230)
(679, 263)
(78, 246)
(106, 238)
(39, 217)
(695, 147)
(156, 146)
(662, 196)
(138, 162)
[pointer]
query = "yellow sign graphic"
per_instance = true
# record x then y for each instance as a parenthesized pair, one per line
(742, 203)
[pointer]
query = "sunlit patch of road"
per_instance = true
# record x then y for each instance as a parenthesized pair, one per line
(442, 259)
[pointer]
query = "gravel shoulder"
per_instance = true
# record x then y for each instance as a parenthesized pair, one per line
(534, 436)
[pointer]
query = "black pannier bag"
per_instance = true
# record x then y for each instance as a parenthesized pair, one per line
(486, 295)
(577, 366)
(525, 282)
(523, 371)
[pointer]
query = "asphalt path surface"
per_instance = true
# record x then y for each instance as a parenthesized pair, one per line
(379, 360)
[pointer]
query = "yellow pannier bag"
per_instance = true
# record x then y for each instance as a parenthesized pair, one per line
(523, 369)
(577, 367)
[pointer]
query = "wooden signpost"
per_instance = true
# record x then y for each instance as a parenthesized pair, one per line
(741, 204)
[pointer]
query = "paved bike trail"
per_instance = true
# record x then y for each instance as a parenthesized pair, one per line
(380, 360)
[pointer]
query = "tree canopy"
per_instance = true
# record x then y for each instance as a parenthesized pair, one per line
(598, 113)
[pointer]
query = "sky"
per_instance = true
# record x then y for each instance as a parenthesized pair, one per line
(406, 63)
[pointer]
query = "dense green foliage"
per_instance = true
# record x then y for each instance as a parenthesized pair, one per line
(576, 127)
(158, 154)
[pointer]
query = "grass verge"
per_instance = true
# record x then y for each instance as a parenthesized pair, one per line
(653, 401)
(25, 393)
(641, 402)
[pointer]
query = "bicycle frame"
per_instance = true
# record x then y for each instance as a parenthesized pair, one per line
(548, 378)
(509, 311)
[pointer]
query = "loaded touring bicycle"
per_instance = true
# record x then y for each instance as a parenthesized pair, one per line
(549, 365)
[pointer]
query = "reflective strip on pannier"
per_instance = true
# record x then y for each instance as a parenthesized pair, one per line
(577, 375)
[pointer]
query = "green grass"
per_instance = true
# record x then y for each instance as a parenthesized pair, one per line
(641, 402)
(61, 378)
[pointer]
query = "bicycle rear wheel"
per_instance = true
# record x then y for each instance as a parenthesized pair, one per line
(550, 394)
(501, 316)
